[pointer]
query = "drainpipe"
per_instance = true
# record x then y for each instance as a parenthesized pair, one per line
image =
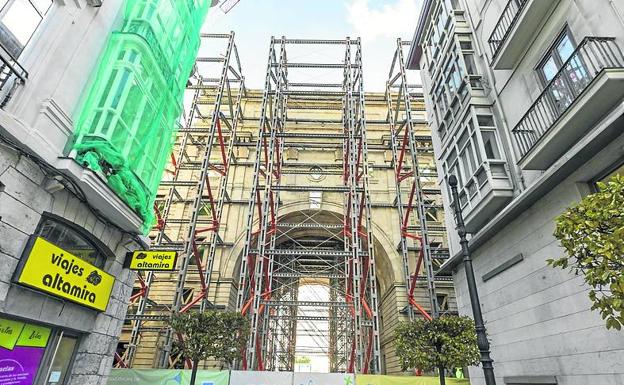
(617, 11)
(517, 178)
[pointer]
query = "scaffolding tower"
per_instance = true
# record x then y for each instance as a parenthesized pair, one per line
(296, 212)
(276, 260)
(414, 183)
(196, 185)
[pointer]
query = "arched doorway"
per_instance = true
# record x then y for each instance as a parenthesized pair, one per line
(310, 315)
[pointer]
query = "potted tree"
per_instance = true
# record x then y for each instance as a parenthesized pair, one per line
(220, 335)
(447, 342)
(592, 235)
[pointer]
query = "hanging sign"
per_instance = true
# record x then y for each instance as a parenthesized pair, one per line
(50, 269)
(151, 260)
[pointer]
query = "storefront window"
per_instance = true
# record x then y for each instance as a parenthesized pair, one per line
(62, 359)
(22, 348)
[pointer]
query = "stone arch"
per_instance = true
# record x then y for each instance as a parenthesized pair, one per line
(389, 269)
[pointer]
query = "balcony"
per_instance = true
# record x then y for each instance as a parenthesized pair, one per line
(12, 74)
(516, 26)
(588, 85)
(485, 193)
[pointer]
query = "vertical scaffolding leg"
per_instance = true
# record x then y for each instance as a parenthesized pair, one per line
(403, 143)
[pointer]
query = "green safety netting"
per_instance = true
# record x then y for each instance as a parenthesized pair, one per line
(126, 126)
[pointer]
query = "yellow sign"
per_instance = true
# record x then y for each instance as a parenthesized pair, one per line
(55, 271)
(151, 260)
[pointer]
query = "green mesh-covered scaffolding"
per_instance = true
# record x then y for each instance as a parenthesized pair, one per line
(127, 124)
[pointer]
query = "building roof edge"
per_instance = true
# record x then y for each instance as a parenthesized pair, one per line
(415, 52)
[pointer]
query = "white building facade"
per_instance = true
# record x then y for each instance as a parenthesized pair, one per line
(526, 102)
(57, 218)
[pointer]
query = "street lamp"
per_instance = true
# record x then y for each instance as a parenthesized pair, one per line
(482, 341)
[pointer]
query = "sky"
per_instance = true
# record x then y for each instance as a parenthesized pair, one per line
(378, 23)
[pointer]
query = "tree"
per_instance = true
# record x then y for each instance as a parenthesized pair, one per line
(220, 335)
(447, 342)
(592, 235)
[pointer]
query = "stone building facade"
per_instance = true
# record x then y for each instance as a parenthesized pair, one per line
(525, 102)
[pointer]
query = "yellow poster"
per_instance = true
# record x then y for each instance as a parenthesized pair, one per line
(9, 332)
(50, 269)
(370, 379)
(152, 260)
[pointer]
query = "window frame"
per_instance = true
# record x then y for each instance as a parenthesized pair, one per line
(593, 183)
(552, 48)
(45, 367)
(4, 9)
(103, 251)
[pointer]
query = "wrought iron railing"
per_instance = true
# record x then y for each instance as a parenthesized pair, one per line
(505, 24)
(591, 57)
(11, 75)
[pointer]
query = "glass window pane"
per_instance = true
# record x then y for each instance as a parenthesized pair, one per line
(471, 67)
(490, 145)
(565, 48)
(473, 165)
(42, 5)
(62, 359)
(549, 69)
(485, 120)
(466, 165)
(21, 20)
(67, 239)
(478, 153)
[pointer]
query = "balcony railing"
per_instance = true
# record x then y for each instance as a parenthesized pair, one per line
(11, 75)
(591, 57)
(505, 24)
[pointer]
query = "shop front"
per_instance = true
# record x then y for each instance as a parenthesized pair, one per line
(57, 321)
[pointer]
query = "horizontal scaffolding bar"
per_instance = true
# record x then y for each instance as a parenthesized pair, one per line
(304, 275)
(314, 188)
(306, 303)
(315, 41)
(304, 252)
(310, 225)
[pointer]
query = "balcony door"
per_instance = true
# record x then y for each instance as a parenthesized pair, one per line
(563, 73)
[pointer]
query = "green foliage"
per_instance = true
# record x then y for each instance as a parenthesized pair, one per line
(592, 234)
(303, 360)
(220, 335)
(448, 341)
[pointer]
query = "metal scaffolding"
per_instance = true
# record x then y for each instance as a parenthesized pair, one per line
(290, 245)
(339, 254)
(408, 148)
(189, 214)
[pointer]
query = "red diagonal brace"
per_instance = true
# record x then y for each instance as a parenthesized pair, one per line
(409, 206)
(120, 360)
(160, 223)
(173, 161)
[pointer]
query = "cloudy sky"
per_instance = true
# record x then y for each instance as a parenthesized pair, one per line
(379, 23)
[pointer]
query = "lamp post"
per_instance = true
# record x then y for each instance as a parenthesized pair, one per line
(482, 341)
